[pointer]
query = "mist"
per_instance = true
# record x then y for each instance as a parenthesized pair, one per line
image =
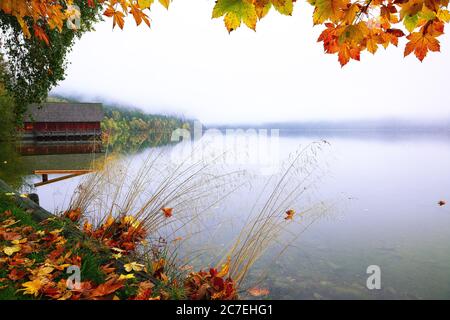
(188, 64)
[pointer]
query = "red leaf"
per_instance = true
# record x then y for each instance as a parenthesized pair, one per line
(16, 274)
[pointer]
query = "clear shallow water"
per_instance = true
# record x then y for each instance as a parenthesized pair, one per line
(384, 190)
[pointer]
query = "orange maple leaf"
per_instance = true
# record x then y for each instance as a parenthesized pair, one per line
(420, 44)
(104, 289)
(167, 212)
(40, 34)
(289, 214)
(116, 15)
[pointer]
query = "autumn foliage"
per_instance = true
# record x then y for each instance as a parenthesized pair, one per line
(351, 27)
(34, 260)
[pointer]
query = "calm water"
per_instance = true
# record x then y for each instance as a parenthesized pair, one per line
(382, 190)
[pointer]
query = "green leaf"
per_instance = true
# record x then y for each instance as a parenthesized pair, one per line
(235, 12)
(411, 22)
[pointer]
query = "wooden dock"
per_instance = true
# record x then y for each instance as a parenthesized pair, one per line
(67, 174)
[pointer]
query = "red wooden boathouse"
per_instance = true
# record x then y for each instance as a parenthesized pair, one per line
(63, 121)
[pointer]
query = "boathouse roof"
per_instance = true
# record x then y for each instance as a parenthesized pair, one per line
(64, 112)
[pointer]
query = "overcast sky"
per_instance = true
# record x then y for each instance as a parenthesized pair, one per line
(188, 64)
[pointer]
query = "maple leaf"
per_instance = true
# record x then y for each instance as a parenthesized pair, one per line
(116, 15)
(443, 15)
(225, 268)
(350, 13)
(104, 289)
(410, 8)
(11, 250)
(108, 268)
(165, 3)
(158, 265)
(133, 266)
(126, 276)
(117, 256)
(42, 272)
(167, 212)
(145, 4)
(144, 290)
(9, 236)
(19, 241)
(289, 214)
(332, 10)
(16, 274)
(24, 26)
(40, 34)
(258, 292)
(420, 43)
(138, 15)
(283, 6)
(235, 12)
(73, 215)
(32, 287)
(262, 7)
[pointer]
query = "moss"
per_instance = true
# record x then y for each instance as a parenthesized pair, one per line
(19, 214)
(176, 293)
(38, 257)
(9, 293)
(128, 291)
(90, 266)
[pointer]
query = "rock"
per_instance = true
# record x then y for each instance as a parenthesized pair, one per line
(34, 197)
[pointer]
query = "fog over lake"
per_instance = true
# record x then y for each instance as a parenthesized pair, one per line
(382, 191)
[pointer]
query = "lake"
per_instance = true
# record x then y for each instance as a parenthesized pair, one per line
(380, 190)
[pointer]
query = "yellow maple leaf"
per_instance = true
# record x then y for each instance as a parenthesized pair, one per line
(145, 4)
(32, 287)
(56, 231)
(133, 266)
(19, 241)
(42, 272)
(40, 233)
(225, 268)
(126, 276)
(11, 250)
(117, 255)
(332, 10)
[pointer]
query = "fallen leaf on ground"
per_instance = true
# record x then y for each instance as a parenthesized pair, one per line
(133, 266)
(107, 288)
(32, 287)
(16, 274)
(11, 250)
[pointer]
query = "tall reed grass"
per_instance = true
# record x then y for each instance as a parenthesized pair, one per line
(191, 189)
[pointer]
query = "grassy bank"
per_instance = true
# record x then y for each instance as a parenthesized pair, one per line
(35, 257)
